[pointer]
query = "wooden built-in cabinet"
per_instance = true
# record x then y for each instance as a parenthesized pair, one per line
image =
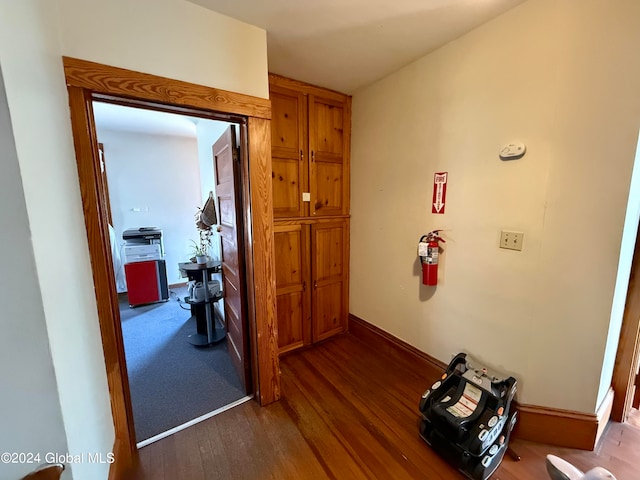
(310, 142)
(310, 138)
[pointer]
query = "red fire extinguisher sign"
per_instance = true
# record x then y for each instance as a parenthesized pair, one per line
(439, 192)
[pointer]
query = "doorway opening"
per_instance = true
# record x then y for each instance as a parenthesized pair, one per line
(89, 81)
(158, 170)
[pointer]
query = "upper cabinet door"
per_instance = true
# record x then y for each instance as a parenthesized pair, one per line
(289, 150)
(329, 138)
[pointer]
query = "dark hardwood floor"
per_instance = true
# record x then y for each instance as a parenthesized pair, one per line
(348, 412)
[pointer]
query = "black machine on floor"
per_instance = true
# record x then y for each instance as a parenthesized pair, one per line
(466, 417)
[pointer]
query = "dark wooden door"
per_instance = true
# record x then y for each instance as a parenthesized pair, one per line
(227, 168)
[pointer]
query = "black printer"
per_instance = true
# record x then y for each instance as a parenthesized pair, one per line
(146, 235)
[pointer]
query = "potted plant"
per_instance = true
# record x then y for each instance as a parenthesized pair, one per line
(199, 252)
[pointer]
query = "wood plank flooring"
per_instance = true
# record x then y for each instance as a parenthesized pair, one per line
(634, 417)
(348, 413)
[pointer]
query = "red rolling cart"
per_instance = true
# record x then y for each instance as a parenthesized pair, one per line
(146, 282)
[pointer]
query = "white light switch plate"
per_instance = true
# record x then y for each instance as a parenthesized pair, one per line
(511, 240)
(306, 196)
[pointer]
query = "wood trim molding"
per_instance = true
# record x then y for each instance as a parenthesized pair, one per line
(264, 259)
(85, 142)
(128, 83)
(537, 424)
(563, 428)
(84, 79)
(384, 342)
(118, 469)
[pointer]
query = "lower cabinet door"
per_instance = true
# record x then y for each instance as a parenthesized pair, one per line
(311, 282)
(292, 289)
(329, 264)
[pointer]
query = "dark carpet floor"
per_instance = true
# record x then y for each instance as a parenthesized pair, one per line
(171, 381)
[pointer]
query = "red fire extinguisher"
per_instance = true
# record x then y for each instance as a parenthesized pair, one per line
(429, 251)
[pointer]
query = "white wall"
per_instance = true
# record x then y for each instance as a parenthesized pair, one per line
(28, 388)
(207, 132)
(563, 77)
(154, 181)
(38, 105)
(165, 37)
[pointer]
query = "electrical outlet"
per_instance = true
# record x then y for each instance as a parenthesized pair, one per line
(511, 240)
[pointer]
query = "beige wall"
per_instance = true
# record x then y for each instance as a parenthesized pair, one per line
(34, 34)
(30, 59)
(154, 180)
(563, 77)
(32, 418)
(171, 38)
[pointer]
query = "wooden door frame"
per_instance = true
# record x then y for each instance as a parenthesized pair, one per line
(624, 373)
(86, 79)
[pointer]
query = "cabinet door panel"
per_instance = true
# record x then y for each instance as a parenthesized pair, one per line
(327, 251)
(292, 293)
(328, 254)
(287, 188)
(328, 318)
(328, 182)
(288, 147)
(290, 321)
(328, 119)
(328, 143)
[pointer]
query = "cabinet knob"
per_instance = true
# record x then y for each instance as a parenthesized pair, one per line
(315, 284)
(304, 286)
(301, 155)
(313, 156)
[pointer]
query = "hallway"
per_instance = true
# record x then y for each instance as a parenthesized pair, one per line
(348, 412)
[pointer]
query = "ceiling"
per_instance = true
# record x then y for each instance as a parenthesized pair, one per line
(139, 120)
(347, 44)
